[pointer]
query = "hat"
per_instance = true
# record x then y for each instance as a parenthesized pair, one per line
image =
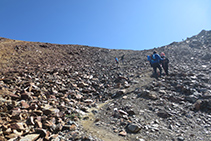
(162, 54)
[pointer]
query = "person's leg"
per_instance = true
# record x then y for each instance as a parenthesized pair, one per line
(159, 69)
(154, 70)
(164, 70)
(167, 70)
(163, 67)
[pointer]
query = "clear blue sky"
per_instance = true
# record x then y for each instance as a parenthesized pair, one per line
(113, 24)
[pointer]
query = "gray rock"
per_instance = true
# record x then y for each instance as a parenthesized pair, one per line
(163, 114)
(134, 128)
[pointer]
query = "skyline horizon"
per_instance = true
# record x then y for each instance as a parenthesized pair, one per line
(112, 48)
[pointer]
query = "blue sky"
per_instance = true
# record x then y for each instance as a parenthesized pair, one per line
(113, 24)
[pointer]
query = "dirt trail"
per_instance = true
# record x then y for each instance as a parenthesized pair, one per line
(89, 126)
(89, 120)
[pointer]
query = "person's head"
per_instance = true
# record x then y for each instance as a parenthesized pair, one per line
(154, 52)
(162, 54)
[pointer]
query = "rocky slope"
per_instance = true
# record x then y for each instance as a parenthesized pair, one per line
(73, 92)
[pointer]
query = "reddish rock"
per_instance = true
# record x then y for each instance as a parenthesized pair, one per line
(18, 126)
(72, 127)
(16, 111)
(78, 96)
(24, 105)
(14, 96)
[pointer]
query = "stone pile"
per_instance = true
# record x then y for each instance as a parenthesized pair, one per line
(38, 105)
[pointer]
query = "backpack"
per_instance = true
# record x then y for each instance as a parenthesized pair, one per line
(165, 60)
(153, 58)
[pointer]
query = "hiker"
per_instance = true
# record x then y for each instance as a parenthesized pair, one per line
(165, 63)
(122, 58)
(155, 61)
(116, 59)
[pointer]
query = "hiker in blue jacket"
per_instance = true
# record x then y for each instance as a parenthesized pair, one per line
(155, 61)
(116, 59)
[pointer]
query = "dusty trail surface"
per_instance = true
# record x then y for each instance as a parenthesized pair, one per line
(91, 120)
